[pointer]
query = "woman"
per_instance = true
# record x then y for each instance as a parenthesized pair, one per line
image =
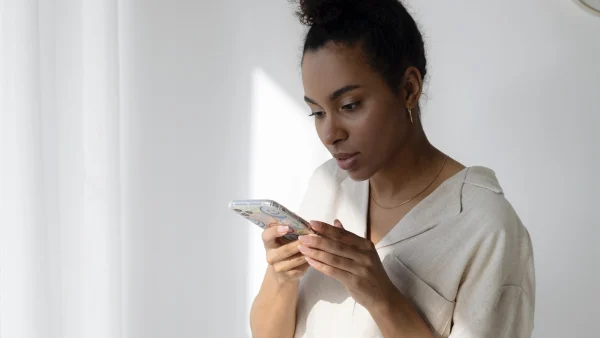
(418, 245)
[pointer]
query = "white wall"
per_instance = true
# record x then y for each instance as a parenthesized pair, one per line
(514, 85)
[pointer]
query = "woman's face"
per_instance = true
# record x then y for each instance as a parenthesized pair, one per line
(357, 116)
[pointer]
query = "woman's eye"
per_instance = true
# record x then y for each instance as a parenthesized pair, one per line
(350, 106)
(317, 114)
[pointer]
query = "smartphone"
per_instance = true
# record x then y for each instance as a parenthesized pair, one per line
(267, 213)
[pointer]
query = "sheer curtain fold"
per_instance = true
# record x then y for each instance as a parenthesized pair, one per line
(60, 241)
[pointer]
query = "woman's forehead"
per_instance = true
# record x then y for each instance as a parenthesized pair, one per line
(334, 67)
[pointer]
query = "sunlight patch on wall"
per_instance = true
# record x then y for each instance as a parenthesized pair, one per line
(285, 150)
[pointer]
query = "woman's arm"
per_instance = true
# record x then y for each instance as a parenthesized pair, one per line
(273, 312)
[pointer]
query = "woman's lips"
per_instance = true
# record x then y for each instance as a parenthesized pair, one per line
(346, 161)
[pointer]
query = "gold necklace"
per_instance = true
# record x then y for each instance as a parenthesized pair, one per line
(408, 200)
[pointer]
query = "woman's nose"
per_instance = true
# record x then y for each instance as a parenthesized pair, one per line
(334, 131)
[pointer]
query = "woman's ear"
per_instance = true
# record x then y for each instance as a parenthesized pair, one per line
(413, 86)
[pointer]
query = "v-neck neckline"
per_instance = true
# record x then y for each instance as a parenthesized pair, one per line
(413, 223)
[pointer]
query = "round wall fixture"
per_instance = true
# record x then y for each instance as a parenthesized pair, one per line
(592, 5)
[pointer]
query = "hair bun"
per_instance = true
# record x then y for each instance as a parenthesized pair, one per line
(321, 12)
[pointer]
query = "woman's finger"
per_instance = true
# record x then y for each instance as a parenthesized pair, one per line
(281, 253)
(332, 260)
(270, 235)
(340, 275)
(290, 263)
(340, 234)
(334, 247)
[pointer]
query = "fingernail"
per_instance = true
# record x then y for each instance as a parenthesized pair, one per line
(310, 261)
(305, 239)
(316, 225)
(283, 229)
(302, 248)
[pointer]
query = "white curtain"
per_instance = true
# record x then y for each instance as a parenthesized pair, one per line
(60, 223)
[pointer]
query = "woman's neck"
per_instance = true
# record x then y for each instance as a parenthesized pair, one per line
(408, 172)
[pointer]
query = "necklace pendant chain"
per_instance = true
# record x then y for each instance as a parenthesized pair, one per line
(417, 195)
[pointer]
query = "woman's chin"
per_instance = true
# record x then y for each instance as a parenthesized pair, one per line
(359, 174)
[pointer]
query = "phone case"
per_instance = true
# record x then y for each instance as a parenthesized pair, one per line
(267, 213)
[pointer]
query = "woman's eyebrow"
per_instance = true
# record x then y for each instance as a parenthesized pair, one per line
(337, 93)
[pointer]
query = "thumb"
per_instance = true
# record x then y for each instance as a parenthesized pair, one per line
(338, 224)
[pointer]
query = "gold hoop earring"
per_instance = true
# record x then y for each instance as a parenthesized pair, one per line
(410, 115)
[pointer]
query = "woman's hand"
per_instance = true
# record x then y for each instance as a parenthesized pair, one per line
(350, 259)
(284, 258)
(354, 262)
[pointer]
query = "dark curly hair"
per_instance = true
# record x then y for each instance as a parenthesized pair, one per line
(387, 33)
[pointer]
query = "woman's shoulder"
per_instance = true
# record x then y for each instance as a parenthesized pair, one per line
(486, 210)
(499, 245)
(483, 195)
